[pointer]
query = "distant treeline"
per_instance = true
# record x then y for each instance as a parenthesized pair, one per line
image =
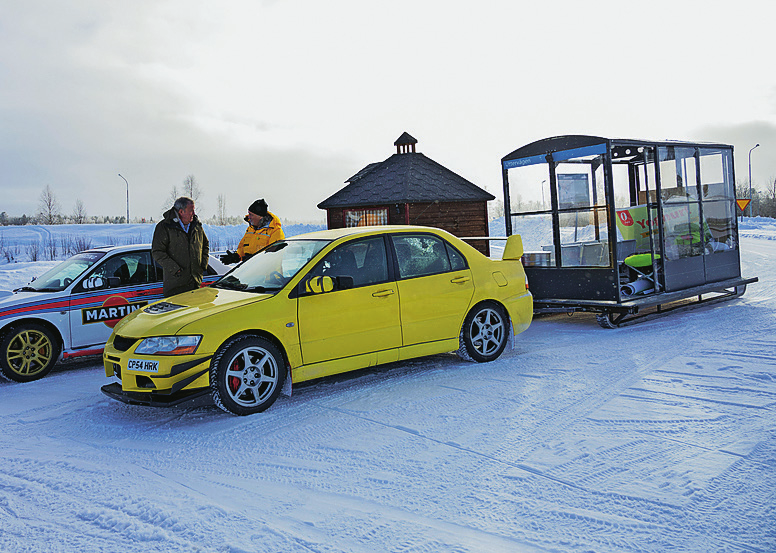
(8, 220)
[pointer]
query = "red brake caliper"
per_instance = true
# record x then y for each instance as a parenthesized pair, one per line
(234, 381)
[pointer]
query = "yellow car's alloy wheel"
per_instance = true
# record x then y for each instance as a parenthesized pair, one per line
(247, 375)
(485, 332)
(28, 353)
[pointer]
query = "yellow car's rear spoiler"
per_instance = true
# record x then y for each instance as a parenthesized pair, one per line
(514, 248)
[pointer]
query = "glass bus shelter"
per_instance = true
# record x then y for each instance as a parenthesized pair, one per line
(624, 227)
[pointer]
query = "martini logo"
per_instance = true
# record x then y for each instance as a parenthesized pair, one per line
(111, 312)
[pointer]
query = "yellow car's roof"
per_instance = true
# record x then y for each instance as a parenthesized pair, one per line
(334, 234)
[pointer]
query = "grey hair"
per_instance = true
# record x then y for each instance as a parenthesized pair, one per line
(182, 203)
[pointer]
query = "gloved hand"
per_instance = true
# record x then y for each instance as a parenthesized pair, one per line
(230, 257)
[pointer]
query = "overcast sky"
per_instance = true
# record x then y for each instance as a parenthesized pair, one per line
(287, 99)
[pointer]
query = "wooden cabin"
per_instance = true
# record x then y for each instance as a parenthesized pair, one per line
(409, 188)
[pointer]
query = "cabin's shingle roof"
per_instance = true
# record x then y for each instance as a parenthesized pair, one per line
(405, 178)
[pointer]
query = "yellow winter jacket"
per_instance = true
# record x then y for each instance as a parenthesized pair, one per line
(256, 239)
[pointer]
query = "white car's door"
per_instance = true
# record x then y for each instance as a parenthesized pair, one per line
(129, 281)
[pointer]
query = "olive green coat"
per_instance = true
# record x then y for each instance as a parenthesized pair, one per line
(182, 255)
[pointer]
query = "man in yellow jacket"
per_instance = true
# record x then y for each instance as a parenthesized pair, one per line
(264, 228)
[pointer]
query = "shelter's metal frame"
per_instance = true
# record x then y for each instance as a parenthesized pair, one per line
(704, 275)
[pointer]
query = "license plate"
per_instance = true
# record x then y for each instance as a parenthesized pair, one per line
(143, 365)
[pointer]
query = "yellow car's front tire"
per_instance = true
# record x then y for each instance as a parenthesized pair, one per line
(28, 352)
(247, 375)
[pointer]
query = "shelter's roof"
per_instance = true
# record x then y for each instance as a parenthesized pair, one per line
(574, 141)
(405, 178)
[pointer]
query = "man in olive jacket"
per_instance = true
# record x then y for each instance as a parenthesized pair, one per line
(181, 248)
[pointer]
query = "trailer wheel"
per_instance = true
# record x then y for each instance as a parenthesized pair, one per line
(605, 320)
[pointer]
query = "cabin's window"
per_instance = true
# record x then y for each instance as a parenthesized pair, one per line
(366, 217)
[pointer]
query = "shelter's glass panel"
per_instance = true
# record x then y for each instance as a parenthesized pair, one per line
(580, 183)
(584, 238)
(536, 233)
(716, 174)
(678, 174)
(529, 188)
(721, 222)
(583, 229)
(684, 236)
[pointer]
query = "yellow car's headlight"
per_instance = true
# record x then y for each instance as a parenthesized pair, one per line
(169, 345)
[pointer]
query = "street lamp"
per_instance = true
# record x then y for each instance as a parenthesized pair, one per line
(750, 180)
(125, 180)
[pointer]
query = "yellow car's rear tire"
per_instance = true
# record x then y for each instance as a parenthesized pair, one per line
(485, 332)
(247, 375)
(28, 352)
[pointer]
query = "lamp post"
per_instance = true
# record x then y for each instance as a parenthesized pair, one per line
(751, 206)
(125, 180)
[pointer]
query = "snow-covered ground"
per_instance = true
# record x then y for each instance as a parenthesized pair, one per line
(654, 437)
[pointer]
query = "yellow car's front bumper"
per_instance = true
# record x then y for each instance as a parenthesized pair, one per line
(161, 380)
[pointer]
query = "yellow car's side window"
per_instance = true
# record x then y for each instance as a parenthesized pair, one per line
(363, 260)
(424, 254)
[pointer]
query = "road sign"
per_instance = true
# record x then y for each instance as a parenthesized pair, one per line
(742, 204)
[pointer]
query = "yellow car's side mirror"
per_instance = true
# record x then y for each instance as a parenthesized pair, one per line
(320, 284)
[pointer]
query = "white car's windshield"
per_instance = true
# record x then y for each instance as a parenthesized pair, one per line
(58, 278)
(273, 267)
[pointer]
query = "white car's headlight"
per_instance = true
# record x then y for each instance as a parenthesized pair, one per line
(169, 345)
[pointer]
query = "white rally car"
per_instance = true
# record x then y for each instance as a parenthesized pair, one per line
(70, 310)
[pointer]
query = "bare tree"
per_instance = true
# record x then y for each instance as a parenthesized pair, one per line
(79, 212)
(48, 207)
(170, 199)
(769, 203)
(191, 188)
(221, 213)
(495, 209)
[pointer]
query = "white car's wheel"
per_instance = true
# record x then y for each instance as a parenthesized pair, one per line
(247, 375)
(485, 332)
(28, 352)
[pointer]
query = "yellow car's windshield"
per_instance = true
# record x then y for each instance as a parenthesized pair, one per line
(270, 269)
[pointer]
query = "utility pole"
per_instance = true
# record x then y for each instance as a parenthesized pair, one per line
(751, 206)
(125, 180)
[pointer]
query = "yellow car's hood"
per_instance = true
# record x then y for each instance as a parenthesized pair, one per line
(169, 316)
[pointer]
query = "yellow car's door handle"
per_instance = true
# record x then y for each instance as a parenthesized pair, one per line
(460, 279)
(383, 293)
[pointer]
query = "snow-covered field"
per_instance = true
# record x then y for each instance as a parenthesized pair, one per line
(654, 437)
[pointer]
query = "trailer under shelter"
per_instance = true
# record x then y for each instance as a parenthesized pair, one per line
(624, 228)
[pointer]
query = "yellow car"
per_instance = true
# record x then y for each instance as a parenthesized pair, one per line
(315, 305)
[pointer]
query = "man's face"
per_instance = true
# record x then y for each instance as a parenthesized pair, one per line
(254, 219)
(187, 215)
